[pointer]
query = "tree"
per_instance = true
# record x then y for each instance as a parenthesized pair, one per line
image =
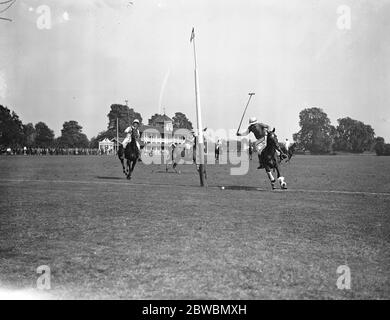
(353, 136)
(180, 120)
(94, 143)
(316, 134)
(72, 136)
(386, 151)
(153, 118)
(29, 135)
(11, 128)
(381, 148)
(125, 117)
(44, 136)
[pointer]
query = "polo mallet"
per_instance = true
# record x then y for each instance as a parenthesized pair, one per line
(243, 115)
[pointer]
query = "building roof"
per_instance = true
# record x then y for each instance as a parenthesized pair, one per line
(162, 118)
(159, 129)
(120, 139)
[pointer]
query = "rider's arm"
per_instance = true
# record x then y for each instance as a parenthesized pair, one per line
(245, 133)
(265, 126)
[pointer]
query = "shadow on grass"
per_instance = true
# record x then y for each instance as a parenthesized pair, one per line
(171, 171)
(244, 188)
(228, 187)
(111, 178)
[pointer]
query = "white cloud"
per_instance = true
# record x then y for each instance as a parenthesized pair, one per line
(3, 85)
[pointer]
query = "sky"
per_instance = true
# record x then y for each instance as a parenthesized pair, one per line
(292, 54)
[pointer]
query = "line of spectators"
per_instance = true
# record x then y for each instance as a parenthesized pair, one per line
(51, 151)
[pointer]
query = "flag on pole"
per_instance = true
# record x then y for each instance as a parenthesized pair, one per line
(192, 35)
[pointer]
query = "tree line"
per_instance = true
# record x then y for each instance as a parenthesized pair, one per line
(15, 134)
(319, 136)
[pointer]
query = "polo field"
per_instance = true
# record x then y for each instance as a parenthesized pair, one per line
(161, 236)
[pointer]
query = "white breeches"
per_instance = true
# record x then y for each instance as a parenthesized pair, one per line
(260, 145)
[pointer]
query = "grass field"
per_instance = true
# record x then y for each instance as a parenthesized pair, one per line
(161, 236)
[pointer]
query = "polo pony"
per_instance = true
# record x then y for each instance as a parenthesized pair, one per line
(129, 156)
(271, 161)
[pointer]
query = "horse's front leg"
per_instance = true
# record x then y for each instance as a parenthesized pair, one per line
(128, 169)
(282, 183)
(123, 165)
(270, 177)
(131, 168)
(174, 165)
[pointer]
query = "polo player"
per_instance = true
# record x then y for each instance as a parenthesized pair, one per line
(260, 131)
(132, 131)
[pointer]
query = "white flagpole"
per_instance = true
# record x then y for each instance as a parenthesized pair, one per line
(200, 140)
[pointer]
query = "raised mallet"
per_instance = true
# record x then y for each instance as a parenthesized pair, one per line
(243, 115)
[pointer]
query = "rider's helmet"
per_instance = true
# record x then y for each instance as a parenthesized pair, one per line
(252, 121)
(136, 121)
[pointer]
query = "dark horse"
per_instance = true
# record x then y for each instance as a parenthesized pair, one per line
(131, 154)
(271, 161)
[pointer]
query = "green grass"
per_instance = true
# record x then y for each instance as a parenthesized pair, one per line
(160, 236)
